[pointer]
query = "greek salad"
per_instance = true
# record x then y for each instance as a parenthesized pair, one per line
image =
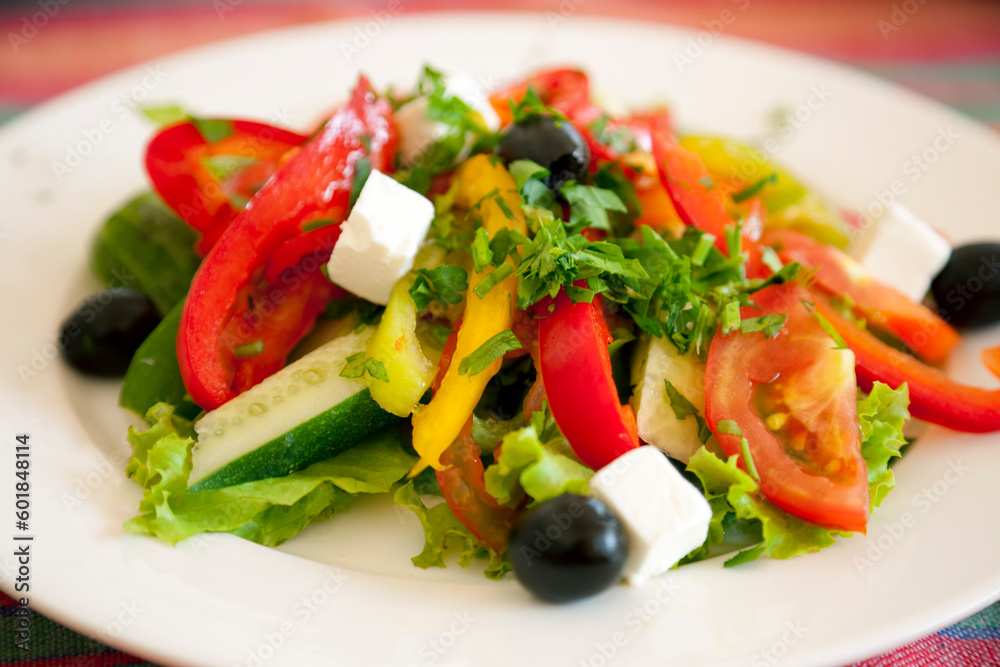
(579, 346)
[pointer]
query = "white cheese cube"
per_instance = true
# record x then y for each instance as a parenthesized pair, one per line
(904, 252)
(417, 132)
(380, 238)
(658, 425)
(664, 515)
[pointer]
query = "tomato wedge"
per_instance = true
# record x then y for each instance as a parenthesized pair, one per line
(882, 306)
(794, 399)
(463, 485)
(315, 183)
(178, 158)
(576, 371)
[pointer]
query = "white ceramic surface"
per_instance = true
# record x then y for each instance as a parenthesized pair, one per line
(344, 592)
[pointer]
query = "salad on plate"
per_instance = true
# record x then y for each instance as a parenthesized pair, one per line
(577, 345)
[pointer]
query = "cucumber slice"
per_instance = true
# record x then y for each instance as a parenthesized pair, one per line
(302, 414)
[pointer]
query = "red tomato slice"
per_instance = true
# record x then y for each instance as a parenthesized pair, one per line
(884, 307)
(463, 485)
(175, 162)
(794, 398)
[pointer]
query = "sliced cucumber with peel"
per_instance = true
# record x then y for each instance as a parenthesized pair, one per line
(302, 414)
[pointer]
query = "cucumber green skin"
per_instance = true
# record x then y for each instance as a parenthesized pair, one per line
(154, 375)
(329, 433)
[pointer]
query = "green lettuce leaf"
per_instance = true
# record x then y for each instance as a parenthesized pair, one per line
(783, 535)
(525, 465)
(443, 531)
(267, 511)
(738, 506)
(881, 416)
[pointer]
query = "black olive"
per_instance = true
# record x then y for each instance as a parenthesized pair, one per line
(553, 143)
(967, 290)
(568, 548)
(101, 335)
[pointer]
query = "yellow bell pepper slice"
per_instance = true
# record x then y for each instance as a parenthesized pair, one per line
(437, 424)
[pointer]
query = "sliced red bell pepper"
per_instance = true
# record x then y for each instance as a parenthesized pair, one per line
(576, 371)
(315, 183)
(317, 242)
(934, 397)
(277, 315)
(176, 164)
(686, 179)
(884, 307)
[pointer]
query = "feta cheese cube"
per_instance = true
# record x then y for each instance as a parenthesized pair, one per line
(664, 515)
(903, 252)
(380, 238)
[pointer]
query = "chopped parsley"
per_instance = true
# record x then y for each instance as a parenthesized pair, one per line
(754, 189)
(683, 408)
(362, 170)
(444, 285)
(490, 351)
(357, 365)
(250, 349)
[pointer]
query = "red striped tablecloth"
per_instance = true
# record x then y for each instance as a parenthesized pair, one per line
(949, 51)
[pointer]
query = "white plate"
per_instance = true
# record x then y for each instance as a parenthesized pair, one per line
(345, 592)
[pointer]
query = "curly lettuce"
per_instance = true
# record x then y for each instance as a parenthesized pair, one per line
(526, 466)
(267, 511)
(738, 506)
(443, 531)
